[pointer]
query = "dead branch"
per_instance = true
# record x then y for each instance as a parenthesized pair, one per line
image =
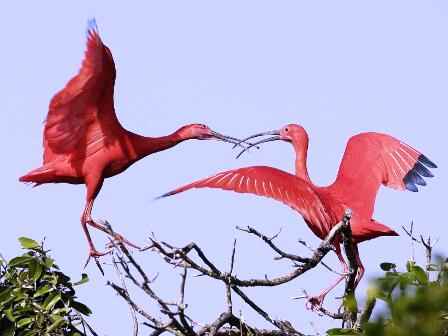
(175, 318)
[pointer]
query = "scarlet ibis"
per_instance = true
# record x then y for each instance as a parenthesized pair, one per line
(370, 159)
(83, 140)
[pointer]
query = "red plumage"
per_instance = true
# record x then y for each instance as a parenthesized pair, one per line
(370, 159)
(84, 143)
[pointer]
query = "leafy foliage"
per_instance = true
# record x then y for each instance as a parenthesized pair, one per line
(36, 298)
(416, 305)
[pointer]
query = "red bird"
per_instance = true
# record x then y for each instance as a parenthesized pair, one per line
(83, 140)
(370, 159)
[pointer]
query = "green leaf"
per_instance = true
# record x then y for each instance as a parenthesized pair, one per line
(5, 294)
(9, 315)
(377, 293)
(18, 294)
(28, 243)
(51, 300)
(409, 264)
(55, 317)
(350, 303)
(51, 279)
(32, 268)
(23, 322)
(386, 266)
(48, 262)
(40, 320)
(37, 272)
(82, 308)
(43, 290)
(19, 260)
(432, 267)
(419, 274)
(64, 310)
(84, 279)
(56, 325)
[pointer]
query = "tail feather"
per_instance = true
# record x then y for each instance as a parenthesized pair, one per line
(39, 176)
(371, 229)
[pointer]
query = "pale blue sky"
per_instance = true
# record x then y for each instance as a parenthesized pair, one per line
(337, 68)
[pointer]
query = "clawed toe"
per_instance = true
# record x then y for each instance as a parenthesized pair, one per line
(93, 253)
(315, 303)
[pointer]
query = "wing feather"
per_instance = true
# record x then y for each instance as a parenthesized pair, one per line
(268, 182)
(372, 159)
(84, 105)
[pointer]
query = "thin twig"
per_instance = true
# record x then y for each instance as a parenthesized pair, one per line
(123, 285)
(268, 241)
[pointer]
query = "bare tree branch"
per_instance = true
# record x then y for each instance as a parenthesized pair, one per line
(175, 319)
(349, 249)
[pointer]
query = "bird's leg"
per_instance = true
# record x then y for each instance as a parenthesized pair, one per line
(315, 303)
(87, 219)
(360, 267)
(117, 236)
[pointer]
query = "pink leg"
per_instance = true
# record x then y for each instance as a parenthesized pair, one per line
(315, 303)
(93, 188)
(87, 219)
(360, 267)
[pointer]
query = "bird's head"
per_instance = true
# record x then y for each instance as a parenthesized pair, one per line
(203, 132)
(292, 133)
(196, 131)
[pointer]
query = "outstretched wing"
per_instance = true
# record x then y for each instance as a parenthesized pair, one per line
(81, 114)
(372, 159)
(269, 182)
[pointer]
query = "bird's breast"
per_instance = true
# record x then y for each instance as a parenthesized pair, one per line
(117, 166)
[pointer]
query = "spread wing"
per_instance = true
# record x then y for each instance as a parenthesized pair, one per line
(269, 182)
(372, 159)
(81, 115)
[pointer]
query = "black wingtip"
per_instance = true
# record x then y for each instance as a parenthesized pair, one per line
(422, 170)
(427, 162)
(409, 184)
(91, 26)
(163, 196)
(415, 177)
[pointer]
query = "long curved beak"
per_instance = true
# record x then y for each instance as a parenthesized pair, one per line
(276, 137)
(236, 142)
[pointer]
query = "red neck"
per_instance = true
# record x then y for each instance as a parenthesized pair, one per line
(301, 149)
(144, 146)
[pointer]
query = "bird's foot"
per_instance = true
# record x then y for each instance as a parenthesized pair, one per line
(314, 303)
(93, 253)
(104, 226)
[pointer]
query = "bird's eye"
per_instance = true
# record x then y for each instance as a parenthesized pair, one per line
(203, 126)
(286, 129)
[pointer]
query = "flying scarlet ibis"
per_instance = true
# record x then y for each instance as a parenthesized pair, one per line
(370, 159)
(84, 142)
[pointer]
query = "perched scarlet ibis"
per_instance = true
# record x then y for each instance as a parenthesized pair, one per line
(370, 159)
(83, 140)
